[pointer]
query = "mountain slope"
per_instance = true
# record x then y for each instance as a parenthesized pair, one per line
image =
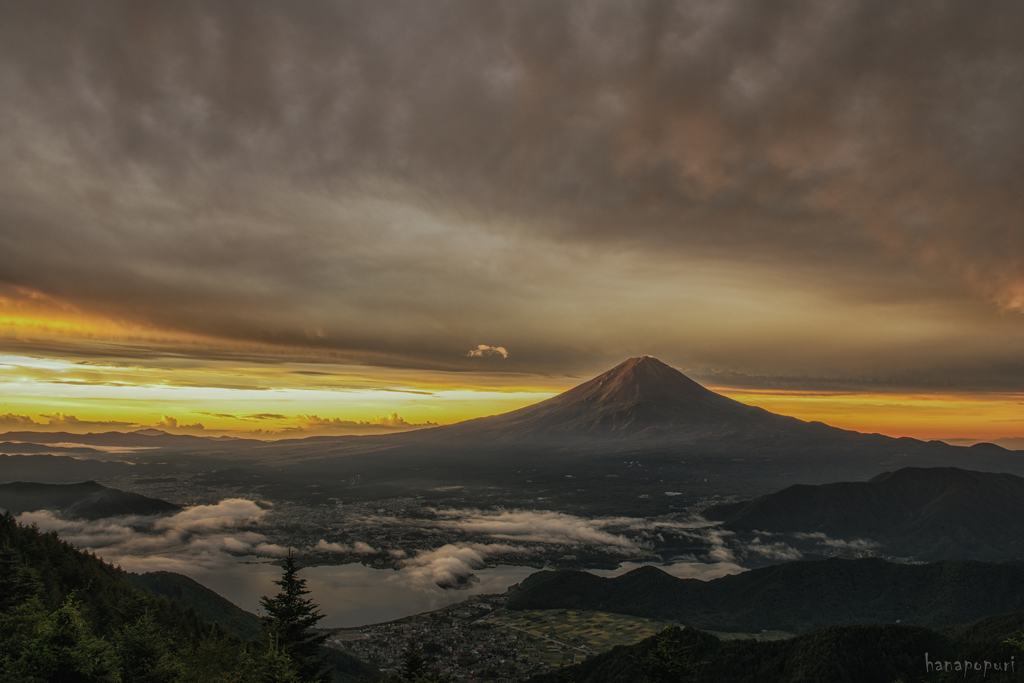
(83, 620)
(641, 398)
(926, 513)
(626, 437)
(208, 604)
(86, 500)
(794, 597)
(57, 469)
(838, 654)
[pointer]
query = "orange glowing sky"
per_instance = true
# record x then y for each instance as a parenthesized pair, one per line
(307, 220)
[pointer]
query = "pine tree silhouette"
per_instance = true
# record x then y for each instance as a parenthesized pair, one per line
(289, 620)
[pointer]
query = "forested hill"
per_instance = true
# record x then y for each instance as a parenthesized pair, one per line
(66, 615)
(84, 500)
(837, 654)
(928, 513)
(795, 596)
(210, 605)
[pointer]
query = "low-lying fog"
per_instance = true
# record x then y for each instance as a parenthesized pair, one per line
(376, 565)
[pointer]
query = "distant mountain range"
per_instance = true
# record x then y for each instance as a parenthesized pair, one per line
(640, 400)
(143, 438)
(926, 513)
(86, 500)
(625, 437)
(795, 597)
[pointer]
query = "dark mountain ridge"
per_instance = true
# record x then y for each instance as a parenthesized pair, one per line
(21, 448)
(795, 597)
(142, 439)
(926, 513)
(85, 500)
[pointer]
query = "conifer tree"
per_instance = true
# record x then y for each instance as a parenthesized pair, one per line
(65, 650)
(413, 665)
(17, 581)
(289, 622)
(414, 668)
(668, 661)
(145, 653)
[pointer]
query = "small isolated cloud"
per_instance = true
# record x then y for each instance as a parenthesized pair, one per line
(773, 551)
(822, 539)
(484, 350)
(19, 421)
(720, 552)
(357, 548)
(236, 547)
(393, 420)
(538, 526)
(453, 565)
(171, 423)
(269, 550)
(703, 570)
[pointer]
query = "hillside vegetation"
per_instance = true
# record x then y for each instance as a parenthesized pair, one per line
(65, 615)
(929, 513)
(796, 597)
(85, 500)
(837, 654)
(210, 605)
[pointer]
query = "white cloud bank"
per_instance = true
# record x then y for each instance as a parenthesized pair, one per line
(357, 548)
(453, 565)
(538, 526)
(203, 535)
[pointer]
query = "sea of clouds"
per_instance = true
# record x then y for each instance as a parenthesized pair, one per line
(202, 535)
(208, 536)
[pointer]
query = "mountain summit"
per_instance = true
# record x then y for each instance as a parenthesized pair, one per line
(643, 380)
(638, 398)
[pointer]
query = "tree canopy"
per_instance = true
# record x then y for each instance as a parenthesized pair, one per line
(289, 623)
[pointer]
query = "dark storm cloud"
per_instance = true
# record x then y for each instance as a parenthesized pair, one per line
(398, 182)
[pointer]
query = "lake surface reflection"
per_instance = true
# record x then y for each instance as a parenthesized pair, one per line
(355, 595)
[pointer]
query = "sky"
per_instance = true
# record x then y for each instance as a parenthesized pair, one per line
(316, 216)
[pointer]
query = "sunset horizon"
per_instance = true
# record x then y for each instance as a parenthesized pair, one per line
(248, 412)
(214, 217)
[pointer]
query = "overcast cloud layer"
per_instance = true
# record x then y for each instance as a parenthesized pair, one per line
(800, 194)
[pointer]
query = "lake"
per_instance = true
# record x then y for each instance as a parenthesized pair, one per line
(356, 595)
